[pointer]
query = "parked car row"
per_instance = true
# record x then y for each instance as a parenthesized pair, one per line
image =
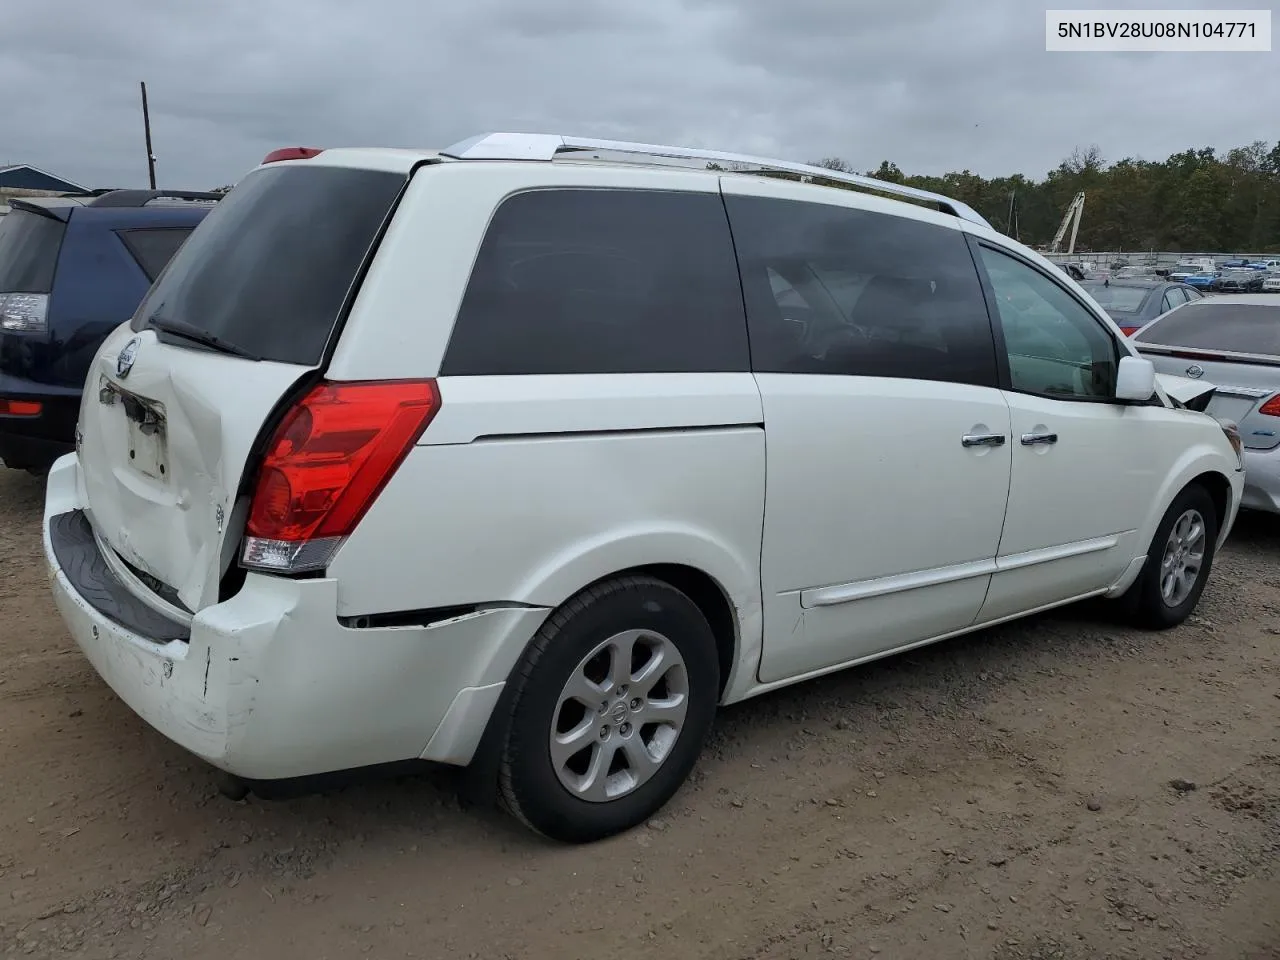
(528, 465)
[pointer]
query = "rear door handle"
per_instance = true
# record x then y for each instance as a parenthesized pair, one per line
(1031, 439)
(983, 440)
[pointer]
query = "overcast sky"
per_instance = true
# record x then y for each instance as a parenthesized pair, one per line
(933, 85)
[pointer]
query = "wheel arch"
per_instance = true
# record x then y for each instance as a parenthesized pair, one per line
(708, 595)
(1219, 489)
(736, 622)
(1200, 464)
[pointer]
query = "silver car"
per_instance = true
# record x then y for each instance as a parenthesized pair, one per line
(1232, 342)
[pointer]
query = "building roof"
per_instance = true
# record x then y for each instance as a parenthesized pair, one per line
(23, 176)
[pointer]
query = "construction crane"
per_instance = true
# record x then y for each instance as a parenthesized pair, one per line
(1074, 211)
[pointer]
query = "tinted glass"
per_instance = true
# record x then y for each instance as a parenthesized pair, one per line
(1123, 299)
(29, 245)
(269, 268)
(1206, 325)
(833, 290)
(602, 281)
(152, 249)
(1056, 347)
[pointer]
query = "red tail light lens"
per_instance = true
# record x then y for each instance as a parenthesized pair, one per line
(326, 463)
(20, 408)
(1129, 331)
(292, 153)
(1272, 407)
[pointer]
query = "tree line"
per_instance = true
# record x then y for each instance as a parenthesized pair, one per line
(1196, 200)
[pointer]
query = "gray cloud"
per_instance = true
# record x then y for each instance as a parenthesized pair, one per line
(933, 85)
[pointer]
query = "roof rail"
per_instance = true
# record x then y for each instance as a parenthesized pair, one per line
(140, 198)
(542, 146)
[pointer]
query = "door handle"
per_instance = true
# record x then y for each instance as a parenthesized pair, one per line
(982, 440)
(1031, 439)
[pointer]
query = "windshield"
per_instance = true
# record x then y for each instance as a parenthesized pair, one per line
(1117, 298)
(1206, 325)
(29, 244)
(269, 269)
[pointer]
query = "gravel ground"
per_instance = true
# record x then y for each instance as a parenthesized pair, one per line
(1057, 788)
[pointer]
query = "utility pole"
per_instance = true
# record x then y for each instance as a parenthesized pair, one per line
(146, 125)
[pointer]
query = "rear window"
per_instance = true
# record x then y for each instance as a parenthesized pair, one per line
(155, 247)
(602, 281)
(269, 269)
(1120, 299)
(1231, 327)
(29, 244)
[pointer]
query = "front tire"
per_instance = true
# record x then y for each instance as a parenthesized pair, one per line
(612, 703)
(1178, 562)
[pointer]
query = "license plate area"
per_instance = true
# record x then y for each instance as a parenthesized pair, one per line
(144, 426)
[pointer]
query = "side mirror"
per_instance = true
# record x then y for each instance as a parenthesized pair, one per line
(1135, 379)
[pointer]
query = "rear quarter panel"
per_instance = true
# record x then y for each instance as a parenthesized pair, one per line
(529, 490)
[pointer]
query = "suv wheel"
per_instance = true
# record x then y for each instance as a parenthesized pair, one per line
(612, 702)
(1178, 562)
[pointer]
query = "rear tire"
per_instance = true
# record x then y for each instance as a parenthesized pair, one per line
(1179, 561)
(612, 703)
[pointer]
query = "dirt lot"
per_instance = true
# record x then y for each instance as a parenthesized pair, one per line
(1010, 795)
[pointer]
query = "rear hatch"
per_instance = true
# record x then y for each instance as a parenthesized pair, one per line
(176, 400)
(1234, 346)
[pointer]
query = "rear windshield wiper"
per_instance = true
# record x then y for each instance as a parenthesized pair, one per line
(203, 337)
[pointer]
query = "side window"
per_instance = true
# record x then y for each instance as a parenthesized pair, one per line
(861, 294)
(1056, 347)
(1193, 295)
(154, 247)
(602, 281)
(1172, 298)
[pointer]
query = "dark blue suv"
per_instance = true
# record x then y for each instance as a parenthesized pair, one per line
(72, 269)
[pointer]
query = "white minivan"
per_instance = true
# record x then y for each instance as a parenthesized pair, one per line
(529, 453)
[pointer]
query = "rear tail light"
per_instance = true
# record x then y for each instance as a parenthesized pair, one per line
(20, 408)
(24, 312)
(1129, 331)
(1272, 407)
(292, 153)
(326, 463)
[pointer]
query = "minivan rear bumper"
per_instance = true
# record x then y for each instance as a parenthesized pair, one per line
(269, 685)
(34, 442)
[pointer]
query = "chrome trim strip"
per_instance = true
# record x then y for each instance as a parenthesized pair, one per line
(899, 583)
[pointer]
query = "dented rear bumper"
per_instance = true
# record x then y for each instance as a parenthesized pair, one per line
(269, 684)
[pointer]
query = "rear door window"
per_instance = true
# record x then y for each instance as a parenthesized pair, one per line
(29, 245)
(1230, 327)
(867, 294)
(154, 247)
(269, 269)
(602, 281)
